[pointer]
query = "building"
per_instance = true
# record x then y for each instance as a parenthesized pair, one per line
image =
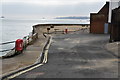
(114, 20)
(99, 21)
(112, 5)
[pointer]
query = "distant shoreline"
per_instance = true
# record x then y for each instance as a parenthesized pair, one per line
(72, 17)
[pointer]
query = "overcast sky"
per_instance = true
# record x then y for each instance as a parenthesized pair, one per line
(49, 8)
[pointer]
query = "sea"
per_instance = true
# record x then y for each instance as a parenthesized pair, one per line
(13, 29)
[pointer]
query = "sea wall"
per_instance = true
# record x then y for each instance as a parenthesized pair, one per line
(36, 28)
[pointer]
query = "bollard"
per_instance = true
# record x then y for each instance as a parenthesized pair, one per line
(48, 29)
(66, 30)
(51, 26)
(24, 42)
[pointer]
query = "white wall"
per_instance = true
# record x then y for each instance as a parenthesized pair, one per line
(113, 4)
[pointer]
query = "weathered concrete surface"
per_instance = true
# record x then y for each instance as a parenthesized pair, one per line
(114, 47)
(27, 58)
(32, 52)
(78, 55)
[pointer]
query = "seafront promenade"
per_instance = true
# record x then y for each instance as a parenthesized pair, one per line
(28, 57)
(77, 54)
(32, 53)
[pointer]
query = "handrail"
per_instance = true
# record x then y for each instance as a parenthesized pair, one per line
(7, 42)
(26, 41)
(7, 50)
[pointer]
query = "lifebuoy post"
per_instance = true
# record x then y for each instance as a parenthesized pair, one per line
(19, 45)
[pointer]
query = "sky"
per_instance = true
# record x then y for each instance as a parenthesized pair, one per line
(49, 8)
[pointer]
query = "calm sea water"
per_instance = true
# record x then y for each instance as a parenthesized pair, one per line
(12, 29)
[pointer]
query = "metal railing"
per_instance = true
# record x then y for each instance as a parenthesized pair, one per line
(27, 40)
(5, 43)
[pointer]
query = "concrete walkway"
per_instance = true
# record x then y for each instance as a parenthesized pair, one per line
(77, 55)
(27, 58)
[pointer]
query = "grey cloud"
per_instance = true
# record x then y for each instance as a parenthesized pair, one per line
(51, 10)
